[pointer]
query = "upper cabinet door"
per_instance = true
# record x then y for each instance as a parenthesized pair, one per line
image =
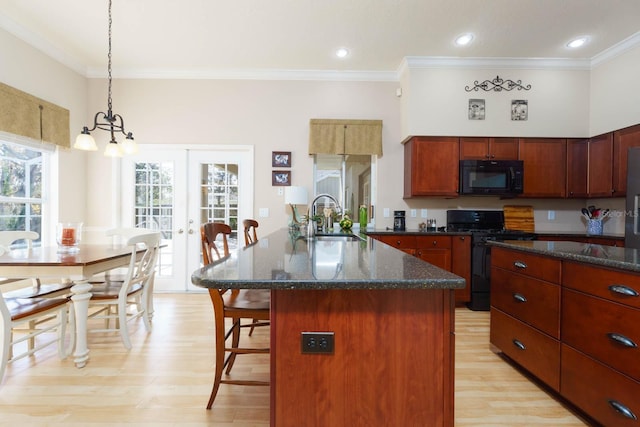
(601, 166)
(545, 166)
(577, 161)
(431, 166)
(623, 139)
(478, 148)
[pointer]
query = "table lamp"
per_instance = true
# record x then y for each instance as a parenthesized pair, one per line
(295, 196)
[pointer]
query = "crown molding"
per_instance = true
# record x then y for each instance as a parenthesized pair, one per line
(412, 62)
(248, 74)
(40, 43)
(616, 50)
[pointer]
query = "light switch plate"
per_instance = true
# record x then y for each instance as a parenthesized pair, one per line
(263, 212)
(551, 215)
(413, 213)
(280, 191)
(385, 212)
(423, 213)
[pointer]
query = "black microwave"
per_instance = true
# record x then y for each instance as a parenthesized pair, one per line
(491, 177)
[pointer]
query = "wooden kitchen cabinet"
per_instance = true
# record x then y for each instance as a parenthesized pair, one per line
(577, 165)
(451, 253)
(623, 139)
(431, 166)
(478, 148)
(461, 265)
(545, 166)
(435, 250)
(600, 169)
(592, 361)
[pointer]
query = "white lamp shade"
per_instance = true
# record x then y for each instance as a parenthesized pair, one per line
(84, 141)
(129, 146)
(113, 150)
(295, 195)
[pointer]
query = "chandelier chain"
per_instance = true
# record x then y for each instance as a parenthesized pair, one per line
(109, 103)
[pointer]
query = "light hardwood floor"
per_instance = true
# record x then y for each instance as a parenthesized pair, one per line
(166, 380)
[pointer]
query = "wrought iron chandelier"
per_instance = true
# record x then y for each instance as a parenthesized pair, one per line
(114, 123)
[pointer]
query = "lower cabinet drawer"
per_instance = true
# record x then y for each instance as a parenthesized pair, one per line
(530, 300)
(609, 397)
(536, 352)
(606, 331)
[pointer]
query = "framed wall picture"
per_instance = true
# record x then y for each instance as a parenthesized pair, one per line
(476, 109)
(281, 159)
(281, 178)
(519, 109)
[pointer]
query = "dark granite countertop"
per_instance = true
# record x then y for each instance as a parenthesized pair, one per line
(415, 232)
(607, 256)
(281, 261)
(579, 234)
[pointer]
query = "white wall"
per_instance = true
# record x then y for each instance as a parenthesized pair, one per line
(271, 115)
(27, 69)
(438, 103)
(615, 93)
(274, 115)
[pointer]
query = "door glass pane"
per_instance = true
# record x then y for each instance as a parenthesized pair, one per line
(154, 206)
(219, 201)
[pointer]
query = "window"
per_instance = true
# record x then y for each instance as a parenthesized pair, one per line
(346, 177)
(22, 184)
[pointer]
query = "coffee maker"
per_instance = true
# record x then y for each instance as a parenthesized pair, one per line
(398, 221)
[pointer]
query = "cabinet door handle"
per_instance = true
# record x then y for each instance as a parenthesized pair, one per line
(519, 297)
(621, 339)
(624, 290)
(622, 409)
(397, 242)
(520, 264)
(519, 344)
(435, 243)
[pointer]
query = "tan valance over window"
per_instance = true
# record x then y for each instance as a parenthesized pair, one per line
(331, 136)
(25, 115)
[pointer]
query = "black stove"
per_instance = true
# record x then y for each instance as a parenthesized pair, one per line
(484, 226)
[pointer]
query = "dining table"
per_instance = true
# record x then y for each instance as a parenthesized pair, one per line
(76, 266)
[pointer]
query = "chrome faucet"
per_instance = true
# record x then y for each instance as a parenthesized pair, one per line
(311, 226)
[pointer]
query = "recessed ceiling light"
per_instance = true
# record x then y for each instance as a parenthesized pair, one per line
(577, 42)
(464, 39)
(342, 52)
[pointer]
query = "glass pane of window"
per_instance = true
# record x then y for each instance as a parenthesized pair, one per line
(21, 187)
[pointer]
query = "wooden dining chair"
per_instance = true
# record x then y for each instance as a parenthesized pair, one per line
(116, 277)
(235, 305)
(251, 237)
(8, 240)
(250, 234)
(122, 302)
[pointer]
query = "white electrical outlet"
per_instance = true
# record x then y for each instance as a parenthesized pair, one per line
(280, 191)
(413, 213)
(263, 212)
(551, 215)
(423, 213)
(385, 212)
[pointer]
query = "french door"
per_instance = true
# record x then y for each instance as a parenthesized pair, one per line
(175, 190)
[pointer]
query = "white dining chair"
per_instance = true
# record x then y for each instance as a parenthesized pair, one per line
(118, 303)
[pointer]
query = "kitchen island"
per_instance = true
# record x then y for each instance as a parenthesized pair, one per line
(392, 320)
(569, 313)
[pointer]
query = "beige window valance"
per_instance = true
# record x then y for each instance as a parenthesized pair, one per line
(332, 136)
(25, 115)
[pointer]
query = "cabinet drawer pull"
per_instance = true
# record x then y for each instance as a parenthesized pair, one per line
(435, 243)
(520, 264)
(622, 409)
(519, 298)
(624, 290)
(621, 339)
(519, 344)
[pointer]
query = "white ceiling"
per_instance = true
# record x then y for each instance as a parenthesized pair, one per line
(209, 38)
